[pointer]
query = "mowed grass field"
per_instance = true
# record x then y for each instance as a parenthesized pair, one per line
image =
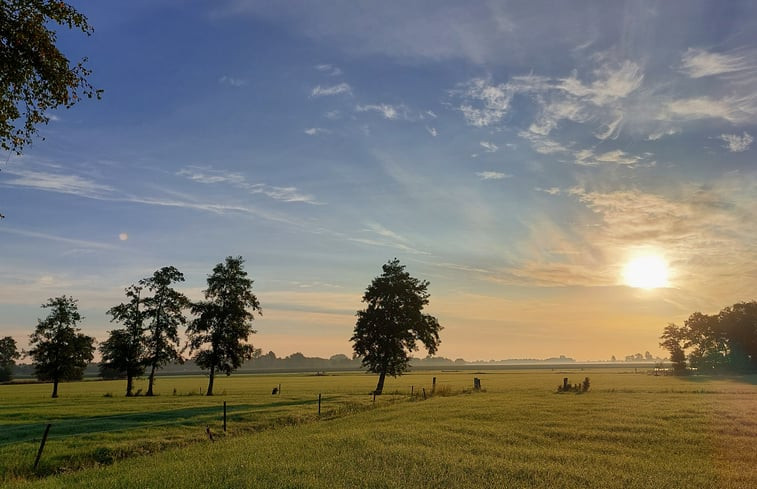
(631, 430)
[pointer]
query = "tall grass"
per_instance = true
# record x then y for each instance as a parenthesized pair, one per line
(630, 430)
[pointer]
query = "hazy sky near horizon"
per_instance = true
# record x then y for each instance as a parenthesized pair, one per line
(515, 154)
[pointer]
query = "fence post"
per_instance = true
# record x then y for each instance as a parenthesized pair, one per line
(374, 396)
(412, 391)
(433, 385)
(319, 404)
(41, 446)
(279, 389)
(224, 416)
(424, 393)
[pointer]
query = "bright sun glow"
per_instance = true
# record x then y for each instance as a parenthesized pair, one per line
(646, 272)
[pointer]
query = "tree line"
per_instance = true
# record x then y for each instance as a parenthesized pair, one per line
(387, 331)
(722, 342)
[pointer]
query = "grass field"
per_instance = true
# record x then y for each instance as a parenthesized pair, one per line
(630, 430)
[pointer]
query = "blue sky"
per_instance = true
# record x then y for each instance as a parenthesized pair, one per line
(515, 154)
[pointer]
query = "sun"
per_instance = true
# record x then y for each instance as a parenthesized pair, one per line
(646, 272)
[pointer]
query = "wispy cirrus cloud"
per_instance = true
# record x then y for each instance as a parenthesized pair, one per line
(329, 69)
(736, 143)
(314, 131)
(489, 147)
(211, 176)
(232, 81)
(588, 157)
(332, 90)
(492, 175)
(391, 112)
(56, 182)
(432, 131)
(699, 63)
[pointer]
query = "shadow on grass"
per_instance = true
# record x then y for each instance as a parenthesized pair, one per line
(750, 378)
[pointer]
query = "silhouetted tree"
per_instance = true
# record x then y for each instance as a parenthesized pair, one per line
(59, 351)
(672, 340)
(393, 323)
(163, 314)
(36, 76)
(8, 356)
(738, 324)
(704, 335)
(125, 349)
(224, 320)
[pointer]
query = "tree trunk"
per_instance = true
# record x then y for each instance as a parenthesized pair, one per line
(380, 386)
(55, 388)
(210, 380)
(129, 385)
(150, 381)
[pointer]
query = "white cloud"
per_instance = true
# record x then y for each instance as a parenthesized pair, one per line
(313, 131)
(210, 176)
(232, 81)
(735, 110)
(55, 182)
(736, 143)
(329, 69)
(489, 147)
(698, 63)
(550, 190)
(588, 157)
(493, 102)
(388, 111)
(432, 131)
(320, 91)
(492, 175)
(662, 133)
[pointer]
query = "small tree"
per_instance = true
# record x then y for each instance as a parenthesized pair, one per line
(8, 356)
(59, 351)
(163, 312)
(224, 320)
(124, 351)
(393, 323)
(673, 337)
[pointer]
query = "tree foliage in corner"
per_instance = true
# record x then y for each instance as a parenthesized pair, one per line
(8, 356)
(36, 76)
(125, 350)
(164, 313)
(726, 341)
(393, 323)
(59, 351)
(223, 325)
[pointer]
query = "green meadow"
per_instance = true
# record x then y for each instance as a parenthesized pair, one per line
(631, 429)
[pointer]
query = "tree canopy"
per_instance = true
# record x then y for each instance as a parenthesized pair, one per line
(163, 312)
(8, 356)
(221, 330)
(59, 351)
(393, 323)
(125, 349)
(715, 342)
(36, 75)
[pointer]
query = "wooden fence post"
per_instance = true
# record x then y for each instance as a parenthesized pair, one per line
(433, 385)
(224, 416)
(41, 446)
(424, 393)
(319, 404)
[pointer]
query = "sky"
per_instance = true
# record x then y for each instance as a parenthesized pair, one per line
(517, 155)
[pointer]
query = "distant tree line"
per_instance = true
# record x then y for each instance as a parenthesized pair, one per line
(722, 342)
